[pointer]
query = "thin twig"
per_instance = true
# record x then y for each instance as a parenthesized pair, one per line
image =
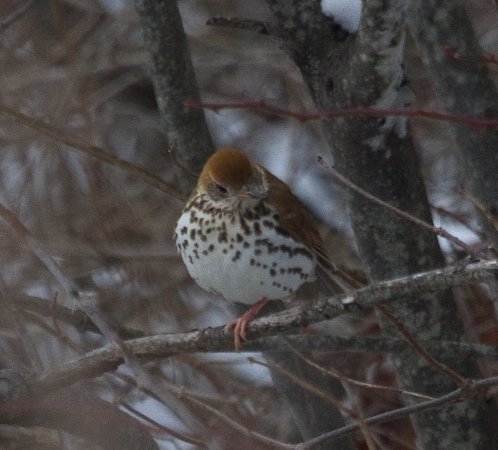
(361, 384)
(17, 14)
(238, 427)
(359, 111)
(436, 230)
(72, 317)
(457, 218)
(318, 392)
(88, 300)
(443, 368)
(492, 219)
(488, 58)
(453, 396)
(33, 318)
(163, 428)
(76, 143)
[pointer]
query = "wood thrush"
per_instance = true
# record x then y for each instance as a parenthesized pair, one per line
(244, 235)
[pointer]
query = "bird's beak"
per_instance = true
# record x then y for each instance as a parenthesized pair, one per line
(251, 192)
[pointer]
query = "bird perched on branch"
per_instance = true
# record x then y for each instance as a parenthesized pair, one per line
(245, 236)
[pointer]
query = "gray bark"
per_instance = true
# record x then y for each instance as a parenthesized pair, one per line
(378, 155)
(462, 87)
(174, 83)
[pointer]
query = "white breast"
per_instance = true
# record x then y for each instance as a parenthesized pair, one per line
(242, 259)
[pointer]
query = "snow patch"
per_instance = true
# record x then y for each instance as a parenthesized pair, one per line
(346, 13)
(394, 96)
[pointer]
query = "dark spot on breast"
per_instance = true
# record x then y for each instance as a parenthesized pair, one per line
(250, 215)
(244, 226)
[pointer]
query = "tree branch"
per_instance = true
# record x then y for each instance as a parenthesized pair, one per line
(219, 339)
(174, 82)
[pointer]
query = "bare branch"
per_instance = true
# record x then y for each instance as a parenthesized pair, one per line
(81, 145)
(334, 373)
(443, 368)
(17, 14)
(436, 230)
(457, 395)
(473, 122)
(305, 385)
(219, 339)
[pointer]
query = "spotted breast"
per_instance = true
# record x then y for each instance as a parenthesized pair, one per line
(245, 236)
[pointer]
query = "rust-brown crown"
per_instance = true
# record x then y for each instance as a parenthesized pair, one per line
(232, 180)
(227, 167)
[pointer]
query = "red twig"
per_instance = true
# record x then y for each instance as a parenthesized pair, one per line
(489, 58)
(359, 111)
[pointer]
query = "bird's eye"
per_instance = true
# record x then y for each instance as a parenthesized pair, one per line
(221, 189)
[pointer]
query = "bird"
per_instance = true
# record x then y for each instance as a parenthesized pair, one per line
(245, 236)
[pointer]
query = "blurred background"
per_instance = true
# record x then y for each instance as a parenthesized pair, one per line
(80, 66)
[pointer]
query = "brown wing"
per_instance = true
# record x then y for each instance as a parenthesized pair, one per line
(296, 220)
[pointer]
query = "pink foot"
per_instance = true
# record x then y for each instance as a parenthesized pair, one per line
(240, 325)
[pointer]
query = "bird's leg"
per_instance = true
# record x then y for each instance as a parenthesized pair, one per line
(239, 325)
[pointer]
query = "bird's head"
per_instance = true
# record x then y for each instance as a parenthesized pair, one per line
(231, 180)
